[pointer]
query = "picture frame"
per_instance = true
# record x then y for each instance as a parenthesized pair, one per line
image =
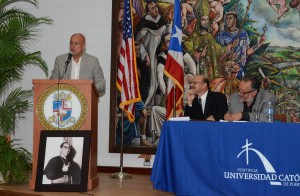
(115, 117)
(63, 161)
(210, 39)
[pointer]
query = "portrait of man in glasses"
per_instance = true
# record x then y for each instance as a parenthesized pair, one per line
(62, 169)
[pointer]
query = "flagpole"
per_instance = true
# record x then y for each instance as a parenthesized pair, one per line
(174, 101)
(121, 174)
(127, 60)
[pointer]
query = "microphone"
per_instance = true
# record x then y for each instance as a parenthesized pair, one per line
(67, 62)
(59, 78)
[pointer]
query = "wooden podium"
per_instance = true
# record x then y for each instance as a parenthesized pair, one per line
(86, 89)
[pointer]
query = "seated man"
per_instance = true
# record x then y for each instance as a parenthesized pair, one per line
(248, 97)
(202, 104)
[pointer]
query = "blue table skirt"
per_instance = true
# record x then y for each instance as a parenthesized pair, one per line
(215, 158)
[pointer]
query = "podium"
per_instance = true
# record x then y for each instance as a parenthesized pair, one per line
(87, 95)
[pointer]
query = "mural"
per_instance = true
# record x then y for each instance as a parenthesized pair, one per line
(222, 39)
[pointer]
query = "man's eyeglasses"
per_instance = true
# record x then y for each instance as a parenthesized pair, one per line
(244, 93)
(67, 147)
(198, 82)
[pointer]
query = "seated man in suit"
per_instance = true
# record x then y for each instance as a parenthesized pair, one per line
(82, 65)
(248, 97)
(202, 104)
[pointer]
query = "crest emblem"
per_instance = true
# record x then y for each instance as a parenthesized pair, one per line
(62, 107)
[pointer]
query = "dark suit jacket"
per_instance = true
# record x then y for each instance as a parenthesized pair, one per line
(216, 105)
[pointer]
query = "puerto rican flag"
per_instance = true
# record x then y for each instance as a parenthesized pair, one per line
(174, 66)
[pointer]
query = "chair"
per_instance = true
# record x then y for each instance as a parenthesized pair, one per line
(280, 117)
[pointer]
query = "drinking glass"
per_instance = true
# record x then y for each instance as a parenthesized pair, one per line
(255, 113)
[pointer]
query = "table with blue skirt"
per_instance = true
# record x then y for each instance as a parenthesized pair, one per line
(228, 158)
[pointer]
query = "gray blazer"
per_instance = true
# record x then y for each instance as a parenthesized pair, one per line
(90, 69)
(261, 102)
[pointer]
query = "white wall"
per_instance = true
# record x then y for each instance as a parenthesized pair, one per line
(93, 19)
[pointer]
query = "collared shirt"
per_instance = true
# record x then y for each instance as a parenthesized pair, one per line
(75, 69)
(203, 100)
(248, 109)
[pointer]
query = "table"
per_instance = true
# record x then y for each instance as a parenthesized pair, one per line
(225, 158)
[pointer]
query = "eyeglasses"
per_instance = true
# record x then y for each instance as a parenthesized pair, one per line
(244, 93)
(67, 147)
(198, 82)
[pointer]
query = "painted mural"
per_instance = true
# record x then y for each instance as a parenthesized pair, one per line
(222, 39)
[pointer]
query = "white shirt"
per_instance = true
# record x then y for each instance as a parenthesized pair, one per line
(75, 69)
(203, 100)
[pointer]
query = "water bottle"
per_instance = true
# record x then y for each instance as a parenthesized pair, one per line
(270, 112)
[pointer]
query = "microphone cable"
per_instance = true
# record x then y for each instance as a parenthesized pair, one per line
(58, 87)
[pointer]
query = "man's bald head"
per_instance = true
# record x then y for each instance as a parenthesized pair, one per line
(77, 45)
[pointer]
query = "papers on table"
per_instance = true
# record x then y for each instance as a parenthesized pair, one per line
(233, 121)
(185, 118)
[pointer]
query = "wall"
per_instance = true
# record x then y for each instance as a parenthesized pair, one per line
(93, 19)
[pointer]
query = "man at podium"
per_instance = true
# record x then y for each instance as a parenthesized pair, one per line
(77, 64)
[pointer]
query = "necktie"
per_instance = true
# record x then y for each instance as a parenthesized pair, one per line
(199, 101)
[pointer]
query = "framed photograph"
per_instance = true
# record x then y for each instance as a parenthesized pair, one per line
(63, 161)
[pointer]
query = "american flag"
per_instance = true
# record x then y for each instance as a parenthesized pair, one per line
(127, 81)
(174, 66)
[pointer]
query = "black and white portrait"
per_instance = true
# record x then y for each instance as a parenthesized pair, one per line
(63, 160)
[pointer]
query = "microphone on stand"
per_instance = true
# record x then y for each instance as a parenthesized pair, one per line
(67, 62)
(58, 83)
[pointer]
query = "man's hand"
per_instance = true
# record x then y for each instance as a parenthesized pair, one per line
(211, 118)
(228, 117)
(233, 117)
(190, 96)
(65, 168)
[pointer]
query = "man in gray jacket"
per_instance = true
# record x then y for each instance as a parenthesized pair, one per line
(79, 65)
(248, 98)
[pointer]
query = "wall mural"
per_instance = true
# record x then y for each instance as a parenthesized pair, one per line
(222, 39)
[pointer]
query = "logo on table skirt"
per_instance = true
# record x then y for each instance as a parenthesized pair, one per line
(62, 107)
(269, 174)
